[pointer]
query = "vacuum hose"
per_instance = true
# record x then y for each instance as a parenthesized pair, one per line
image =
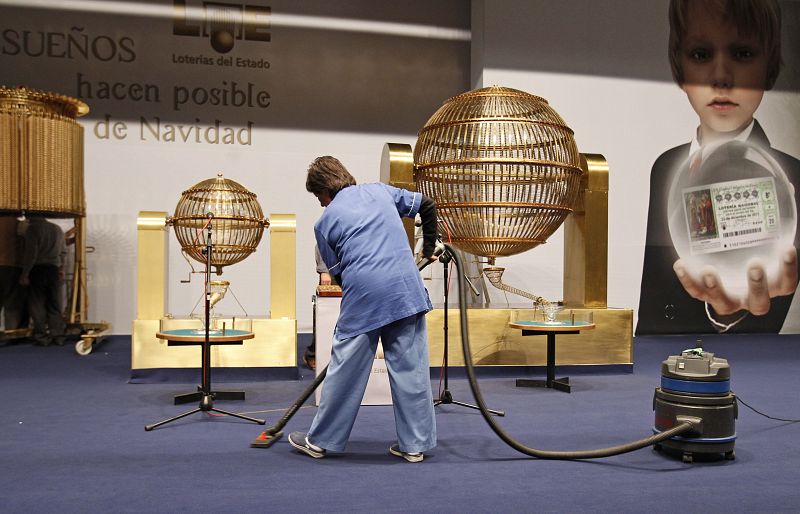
(268, 437)
(277, 427)
(679, 428)
(684, 424)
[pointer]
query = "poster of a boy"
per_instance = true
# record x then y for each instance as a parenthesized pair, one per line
(724, 54)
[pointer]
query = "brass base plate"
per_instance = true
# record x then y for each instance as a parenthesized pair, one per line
(494, 343)
(274, 345)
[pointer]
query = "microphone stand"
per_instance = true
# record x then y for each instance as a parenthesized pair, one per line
(446, 397)
(204, 391)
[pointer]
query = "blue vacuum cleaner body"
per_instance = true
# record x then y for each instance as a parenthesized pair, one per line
(696, 384)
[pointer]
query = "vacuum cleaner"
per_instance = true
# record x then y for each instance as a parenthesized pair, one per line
(696, 384)
(680, 424)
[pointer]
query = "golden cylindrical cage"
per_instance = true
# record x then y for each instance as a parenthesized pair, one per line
(237, 221)
(503, 168)
(41, 153)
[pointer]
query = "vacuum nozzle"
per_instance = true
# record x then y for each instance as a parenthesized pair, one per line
(265, 439)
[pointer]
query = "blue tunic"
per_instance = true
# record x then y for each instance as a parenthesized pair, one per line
(361, 237)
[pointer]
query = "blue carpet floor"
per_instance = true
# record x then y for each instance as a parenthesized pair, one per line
(73, 440)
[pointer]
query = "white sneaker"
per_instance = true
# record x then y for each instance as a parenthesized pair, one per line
(409, 456)
(300, 441)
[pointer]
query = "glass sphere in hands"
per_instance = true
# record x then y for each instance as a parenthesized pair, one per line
(737, 209)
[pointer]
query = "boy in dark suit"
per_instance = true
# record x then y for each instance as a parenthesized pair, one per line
(724, 54)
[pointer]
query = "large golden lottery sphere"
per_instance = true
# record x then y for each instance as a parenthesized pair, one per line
(41, 153)
(237, 222)
(502, 167)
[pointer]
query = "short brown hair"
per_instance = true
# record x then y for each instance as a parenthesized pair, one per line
(328, 175)
(759, 17)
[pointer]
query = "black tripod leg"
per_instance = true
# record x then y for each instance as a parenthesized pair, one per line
(206, 405)
(254, 420)
(179, 416)
(446, 398)
(495, 412)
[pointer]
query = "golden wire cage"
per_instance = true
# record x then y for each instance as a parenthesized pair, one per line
(237, 221)
(41, 153)
(502, 167)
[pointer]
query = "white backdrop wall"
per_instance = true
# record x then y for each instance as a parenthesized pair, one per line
(603, 66)
(338, 78)
(343, 78)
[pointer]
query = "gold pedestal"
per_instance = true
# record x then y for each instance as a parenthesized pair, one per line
(494, 343)
(275, 341)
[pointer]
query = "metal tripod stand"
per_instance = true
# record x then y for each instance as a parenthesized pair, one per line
(204, 391)
(446, 397)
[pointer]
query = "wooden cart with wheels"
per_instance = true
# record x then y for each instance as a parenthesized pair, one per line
(90, 335)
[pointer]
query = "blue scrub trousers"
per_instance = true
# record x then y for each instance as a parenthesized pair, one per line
(405, 348)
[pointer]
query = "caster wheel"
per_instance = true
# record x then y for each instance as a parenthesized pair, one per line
(731, 455)
(687, 458)
(83, 346)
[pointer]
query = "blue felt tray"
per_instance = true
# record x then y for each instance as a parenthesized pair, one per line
(545, 324)
(188, 332)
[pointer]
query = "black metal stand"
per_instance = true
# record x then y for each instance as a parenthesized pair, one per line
(206, 371)
(559, 384)
(446, 397)
(204, 393)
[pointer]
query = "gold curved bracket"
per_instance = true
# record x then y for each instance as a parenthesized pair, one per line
(283, 266)
(586, 238)
(397, 169)
(151, 299)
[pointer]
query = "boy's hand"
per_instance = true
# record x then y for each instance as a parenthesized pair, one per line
(709, 287)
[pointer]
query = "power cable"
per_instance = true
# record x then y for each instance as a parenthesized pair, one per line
(765, 415)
